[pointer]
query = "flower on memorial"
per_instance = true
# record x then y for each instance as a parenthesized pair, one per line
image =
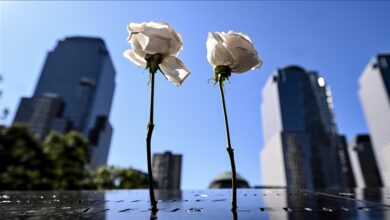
(156, 45)
(231, 52)
(227, 53)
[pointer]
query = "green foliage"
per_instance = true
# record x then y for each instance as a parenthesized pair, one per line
(58, 163)
(68, 156)
(119, 178)
(22, 161)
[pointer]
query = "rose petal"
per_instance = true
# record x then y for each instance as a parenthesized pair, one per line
(155, 37)
(234, 39)
(244, 53)
(245, 36)
(158, 29)
(136, 27)
(162, 31)
(152, 45)
(176, 45)
(174, 70)
(158, 25)
(217, 53)
(239, 55)
(135, 58)
(135, 42)
(246, 60)
(174, 49)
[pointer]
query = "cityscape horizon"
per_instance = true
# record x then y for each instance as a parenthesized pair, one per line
(178, 123)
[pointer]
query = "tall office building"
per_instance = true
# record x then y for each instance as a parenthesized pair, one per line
(364, 163)
(302, 146)
(166, 169)
(74, 91)
(374, 96)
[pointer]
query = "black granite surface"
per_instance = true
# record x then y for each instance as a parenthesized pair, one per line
(197, 204)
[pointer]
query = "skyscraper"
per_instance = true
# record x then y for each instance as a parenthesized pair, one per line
(74, 91)
(374, 93)
(167, 170)
(364, 163)
(302, 146)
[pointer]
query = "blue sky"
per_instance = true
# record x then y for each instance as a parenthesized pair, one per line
(337, 39)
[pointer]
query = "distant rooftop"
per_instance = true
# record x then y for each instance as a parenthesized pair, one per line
(224, 180)
(82, 38)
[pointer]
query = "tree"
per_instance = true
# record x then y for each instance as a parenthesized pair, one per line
(119, 178)
(22, 160)
(58, 163)
(67, 154)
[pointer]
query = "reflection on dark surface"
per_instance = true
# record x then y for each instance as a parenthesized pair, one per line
(168, 195)
(330, 204)
(376, 195)
(57, 203)
(198, 204)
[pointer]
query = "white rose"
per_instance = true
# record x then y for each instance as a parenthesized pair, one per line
(232, 49)
(157, 38)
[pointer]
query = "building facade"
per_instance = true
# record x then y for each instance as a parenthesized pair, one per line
(364, 163)
(374, 94)
(74, 91)
(166, 169)
(302, 146)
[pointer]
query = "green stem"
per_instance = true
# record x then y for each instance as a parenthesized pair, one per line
(229, 149)
(150, 127)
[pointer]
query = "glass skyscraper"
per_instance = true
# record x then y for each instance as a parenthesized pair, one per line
(167, 170)
(374, 93)
(302, 146)
(364, 163)
(74, 91)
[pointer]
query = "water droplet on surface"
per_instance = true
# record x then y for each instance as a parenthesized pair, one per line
(125, 210)
(195, 210)
(219, 200)
(346, 194)
(327, 209)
